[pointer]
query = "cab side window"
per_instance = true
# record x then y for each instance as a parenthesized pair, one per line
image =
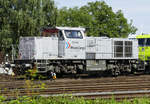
(60, 35)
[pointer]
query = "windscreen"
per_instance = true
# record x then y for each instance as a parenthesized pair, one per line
(73, 34)
(148, 42)
(144, 42)
(141, 42)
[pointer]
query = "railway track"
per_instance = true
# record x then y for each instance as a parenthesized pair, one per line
(119, 87)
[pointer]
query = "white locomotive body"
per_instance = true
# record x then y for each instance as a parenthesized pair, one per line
(68, 50)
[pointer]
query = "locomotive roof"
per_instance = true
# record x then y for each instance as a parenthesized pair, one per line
(143, 36)
(66, 28)
(63, 28)
(71, 28)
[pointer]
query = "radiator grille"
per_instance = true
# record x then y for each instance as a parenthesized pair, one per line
(90, 55)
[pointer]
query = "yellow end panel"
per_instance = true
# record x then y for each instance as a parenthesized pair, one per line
(144, 47)
(144, 53)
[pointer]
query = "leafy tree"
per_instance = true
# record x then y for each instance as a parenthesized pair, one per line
(99, 18)
(24, 18)
(5, 30)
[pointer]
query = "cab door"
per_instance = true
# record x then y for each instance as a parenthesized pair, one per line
(74, 44)
(61, 44)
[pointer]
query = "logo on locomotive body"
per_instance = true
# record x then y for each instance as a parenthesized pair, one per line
(67, 44)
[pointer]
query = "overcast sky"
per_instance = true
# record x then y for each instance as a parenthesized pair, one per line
(137, 10)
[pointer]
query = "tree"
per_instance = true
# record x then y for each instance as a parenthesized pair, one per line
(24, 18)
(99, 18)
(5, 30)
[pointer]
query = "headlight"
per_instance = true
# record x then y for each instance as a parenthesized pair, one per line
(12, 65)
(27, 65)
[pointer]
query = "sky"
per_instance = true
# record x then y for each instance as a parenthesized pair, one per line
(136, 10)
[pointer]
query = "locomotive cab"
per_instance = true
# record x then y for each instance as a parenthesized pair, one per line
(71, 42)
(63, 33)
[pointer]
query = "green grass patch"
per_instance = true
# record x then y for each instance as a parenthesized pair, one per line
(70, 100)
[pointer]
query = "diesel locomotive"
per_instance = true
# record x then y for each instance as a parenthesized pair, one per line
(67, 50)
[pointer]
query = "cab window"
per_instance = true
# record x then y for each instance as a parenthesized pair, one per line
(60, 35)
(148, 42)
(73, 34)
(141, 42)
(144, 42)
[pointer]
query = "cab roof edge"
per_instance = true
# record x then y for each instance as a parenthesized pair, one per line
(70, 28)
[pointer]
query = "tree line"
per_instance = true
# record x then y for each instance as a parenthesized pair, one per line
(26, 18)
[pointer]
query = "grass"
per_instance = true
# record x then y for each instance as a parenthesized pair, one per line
(29, 84)
(70, 100)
